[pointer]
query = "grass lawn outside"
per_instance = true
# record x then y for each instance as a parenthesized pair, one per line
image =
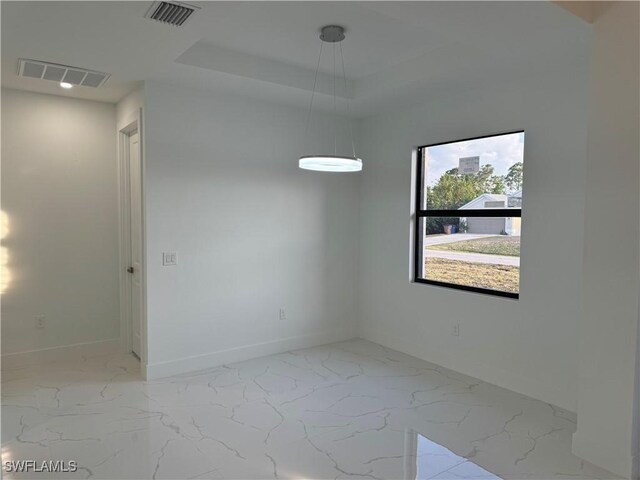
(498, 245)
(504, 278)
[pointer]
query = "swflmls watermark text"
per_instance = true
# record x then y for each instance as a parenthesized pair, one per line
(35, 466)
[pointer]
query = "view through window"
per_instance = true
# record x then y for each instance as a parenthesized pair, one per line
(468, 214)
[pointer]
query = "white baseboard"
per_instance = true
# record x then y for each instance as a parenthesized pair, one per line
(54, 354)
(500, 377)
(239, 354)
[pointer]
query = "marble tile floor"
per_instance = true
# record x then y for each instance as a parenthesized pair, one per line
(346, 410)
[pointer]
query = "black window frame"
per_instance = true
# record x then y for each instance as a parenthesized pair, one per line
(418, 249)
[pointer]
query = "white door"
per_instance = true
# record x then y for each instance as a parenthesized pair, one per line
(135, 201)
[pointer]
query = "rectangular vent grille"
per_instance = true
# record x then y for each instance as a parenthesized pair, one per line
(172, 13)
(61, 73)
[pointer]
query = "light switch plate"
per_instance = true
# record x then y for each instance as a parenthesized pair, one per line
(169, 258)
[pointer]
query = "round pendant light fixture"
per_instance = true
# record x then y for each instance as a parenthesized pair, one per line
(330, 163)
(332, 35)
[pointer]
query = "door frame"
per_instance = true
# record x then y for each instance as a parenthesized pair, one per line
(635, 440)
(132, 124)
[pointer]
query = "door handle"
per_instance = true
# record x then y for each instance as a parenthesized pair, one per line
(130, 269)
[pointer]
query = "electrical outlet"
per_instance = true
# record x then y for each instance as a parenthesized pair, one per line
(39, 322)
(283, 314)
(456, 330)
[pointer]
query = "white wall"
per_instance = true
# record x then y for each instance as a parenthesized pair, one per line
(252, 232)
(526, 345)
(59, 197)
(128, 107)
(608, 329)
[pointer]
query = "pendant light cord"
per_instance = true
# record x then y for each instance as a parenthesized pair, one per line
(344, 75)
(315, 80)
(335, 111)
(313, 92)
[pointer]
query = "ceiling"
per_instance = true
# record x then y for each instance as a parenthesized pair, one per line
(393, 50)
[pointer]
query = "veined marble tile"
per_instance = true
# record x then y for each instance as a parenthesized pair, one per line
(121, 443)
(346, 410)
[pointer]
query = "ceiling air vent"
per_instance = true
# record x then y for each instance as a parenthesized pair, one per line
(172, 13)
(61, 73)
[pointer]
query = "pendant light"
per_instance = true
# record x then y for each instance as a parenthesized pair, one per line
(332, 35)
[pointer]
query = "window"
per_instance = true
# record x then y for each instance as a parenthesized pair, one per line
(468, 214)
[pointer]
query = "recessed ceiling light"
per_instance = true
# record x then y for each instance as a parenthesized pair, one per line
(66, 85)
